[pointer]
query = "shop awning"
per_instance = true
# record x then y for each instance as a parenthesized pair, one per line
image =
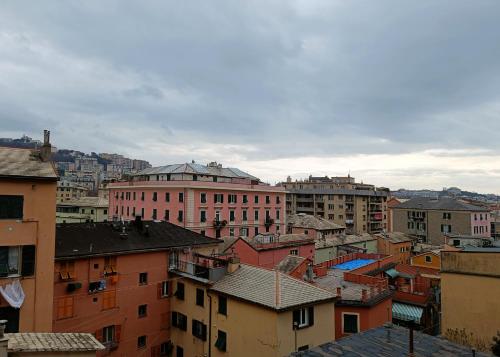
(393, 273)
(406, 312)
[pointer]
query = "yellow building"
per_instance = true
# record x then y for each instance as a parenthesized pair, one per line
(430, 259)
(67, 191)
(249, 311)
(27, 236)
(470, 291)
(85, 209)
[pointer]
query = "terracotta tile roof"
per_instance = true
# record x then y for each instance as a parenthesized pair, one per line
(270, 288)
(24, 163)
(52, 342)
(375, 342)
(289, 263)
(302, 220)
(395, 237)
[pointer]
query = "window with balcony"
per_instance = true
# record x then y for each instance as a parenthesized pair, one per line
(232, 199)
(218, 198)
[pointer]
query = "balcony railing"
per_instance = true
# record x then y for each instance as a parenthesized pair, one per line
(199, 270)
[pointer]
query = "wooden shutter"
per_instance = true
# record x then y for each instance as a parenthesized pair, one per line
(118, 332)
(28, 260)
(311, 315)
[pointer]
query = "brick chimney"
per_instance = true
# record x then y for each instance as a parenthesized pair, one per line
(46, 149)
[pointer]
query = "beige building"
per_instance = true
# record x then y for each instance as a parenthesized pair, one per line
(470, 290)
(85, 209)
(69, 191)
(248, 311)
(430, 219)
(361, 208)
(27, 236)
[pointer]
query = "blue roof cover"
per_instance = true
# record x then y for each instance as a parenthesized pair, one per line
(353, 264)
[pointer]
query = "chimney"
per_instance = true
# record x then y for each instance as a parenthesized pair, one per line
(233, 264)
(46, 149)
(339, 291)
(3, 340)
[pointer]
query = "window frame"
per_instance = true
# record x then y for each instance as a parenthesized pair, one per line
(344, 314)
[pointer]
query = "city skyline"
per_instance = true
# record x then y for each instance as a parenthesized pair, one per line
(275, 88)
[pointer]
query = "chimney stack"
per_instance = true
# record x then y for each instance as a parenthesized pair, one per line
(233, 264)
(46, 149)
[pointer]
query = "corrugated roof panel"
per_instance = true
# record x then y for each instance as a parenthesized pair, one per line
(407, 312)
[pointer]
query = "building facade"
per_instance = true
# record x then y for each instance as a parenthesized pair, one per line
(359, 207)
(429, 220)
(314, 227)
(210, 200)
(27, 231)
(68, 191)
(470, 287)
(396, 244)
(85, 209)
(112, 280)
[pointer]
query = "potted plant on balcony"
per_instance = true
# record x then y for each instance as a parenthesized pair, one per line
(219, 224)
(269, 222)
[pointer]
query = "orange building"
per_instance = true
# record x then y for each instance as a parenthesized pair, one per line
(431, 259)
(111, 279)
(27, 224)
(396, 244)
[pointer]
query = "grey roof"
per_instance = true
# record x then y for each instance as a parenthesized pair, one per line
(375, 342)
(24, 163)
(289, 263)
(270, 288)
(444, 204)
(395, 237)
(302, 220)
(86, 202)
(52, 342)
(343, 240)
(192, 168)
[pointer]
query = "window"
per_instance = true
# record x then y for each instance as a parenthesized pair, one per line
(256, 215)
(195, 177)
(179, 320)
(179, 351)
(350, 323)
(65, 307)
(180, 216)
(218, 198)
(134, 195)
(456, 242)
(66, 269)
(245, 199)
(10, 261)
(268, 200)
(203, 216)
(278, 201)
(231, 199)
(143, 278)
(231, 216)
(446, 215)
(294, 252)
(221, 341)
(142, 196)
(181, 197)
(256, 230)
(28, 253)
(256, 199)
(200, 297)
(142, 213)
(179, 293)
(167, 196)
(109, 299)
(244, 215)
(277, 214)
(231, 232)
(108, 334)
(154, 214)
(446, 228)
(142, 310)
(203, 198)
(155, 196)
(165, 348)
(167, 215)
(428, 259)
(222, 305)
(141, 341)
(303, 317)
(163, 289)
(199, 330)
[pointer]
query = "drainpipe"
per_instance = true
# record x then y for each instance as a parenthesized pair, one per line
(209, 324)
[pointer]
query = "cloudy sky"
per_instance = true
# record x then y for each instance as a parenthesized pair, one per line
(401, 94)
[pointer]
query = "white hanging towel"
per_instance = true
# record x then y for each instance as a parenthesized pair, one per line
(13, 293)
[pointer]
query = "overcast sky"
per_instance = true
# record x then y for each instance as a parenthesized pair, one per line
(401, 94)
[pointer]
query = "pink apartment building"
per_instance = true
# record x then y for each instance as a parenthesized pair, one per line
(210, 200)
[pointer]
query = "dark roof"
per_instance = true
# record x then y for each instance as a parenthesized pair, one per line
(25, 164)
(77, 240)
(337, 191)
(374, 342)
(444, 203)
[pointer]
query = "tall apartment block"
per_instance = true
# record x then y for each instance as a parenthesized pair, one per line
(211, 200)
(27, 234)
(430, 219)
(361, 208)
